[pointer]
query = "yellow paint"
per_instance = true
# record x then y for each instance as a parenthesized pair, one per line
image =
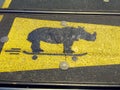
(1, 16)
(6, 3)
(104, 51)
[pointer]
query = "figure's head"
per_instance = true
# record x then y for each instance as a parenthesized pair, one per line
(86, 35)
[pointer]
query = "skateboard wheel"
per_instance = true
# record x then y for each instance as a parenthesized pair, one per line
(74, 58)
(64, 65)
(34, 57)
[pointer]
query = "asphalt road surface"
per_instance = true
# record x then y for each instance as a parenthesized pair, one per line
(108, 74)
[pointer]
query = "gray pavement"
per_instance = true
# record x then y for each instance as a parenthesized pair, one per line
(99, 74)
(95, 75)
(65, 5)
(1, 2)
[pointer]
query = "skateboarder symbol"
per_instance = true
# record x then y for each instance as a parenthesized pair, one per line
(65, 36)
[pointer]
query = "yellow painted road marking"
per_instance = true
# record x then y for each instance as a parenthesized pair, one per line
(6, 3)
(1, 16)
(104, 51)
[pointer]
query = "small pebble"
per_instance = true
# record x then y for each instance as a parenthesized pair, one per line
(4, 39)
(106, 0)
(64, 65)
(63, 23)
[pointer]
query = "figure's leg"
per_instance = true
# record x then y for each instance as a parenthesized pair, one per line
(36, 47)
(67, 46)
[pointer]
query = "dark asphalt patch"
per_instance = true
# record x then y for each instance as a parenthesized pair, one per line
(1, 3)
(97, 74)
(66, 5)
